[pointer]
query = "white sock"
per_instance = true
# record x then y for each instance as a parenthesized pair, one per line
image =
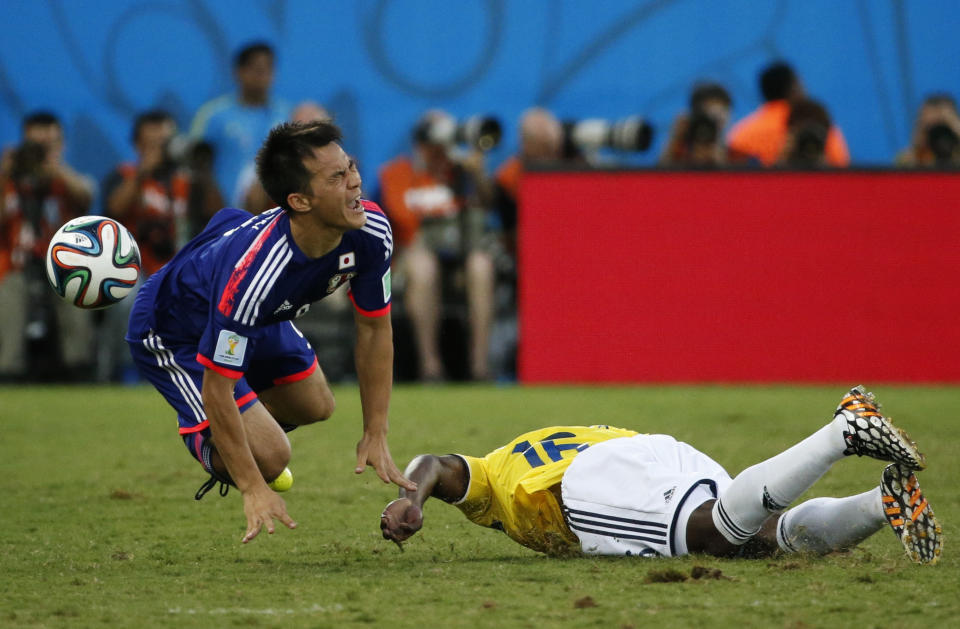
(769, 487)
(823, 525)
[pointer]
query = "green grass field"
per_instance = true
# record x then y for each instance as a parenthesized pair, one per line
(100, 528)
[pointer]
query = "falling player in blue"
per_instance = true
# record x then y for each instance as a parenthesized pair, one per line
(213, 329)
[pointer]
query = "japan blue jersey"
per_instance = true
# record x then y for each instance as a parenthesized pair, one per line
(244, 273)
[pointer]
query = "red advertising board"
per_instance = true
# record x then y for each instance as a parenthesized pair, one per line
(653, 276)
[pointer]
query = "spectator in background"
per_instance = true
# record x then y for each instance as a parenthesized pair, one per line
(808, 128)
(763, 133)
(437, 204)
(936, 135)
(40, 193)
(541, 142)
(254, 198)
(235, 124)
(696, 138)
(158, 199)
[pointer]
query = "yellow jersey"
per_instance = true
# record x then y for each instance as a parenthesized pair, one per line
(510, 488)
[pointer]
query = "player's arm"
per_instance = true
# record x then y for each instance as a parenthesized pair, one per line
(444, 477)
(260, 504)
(374, 359)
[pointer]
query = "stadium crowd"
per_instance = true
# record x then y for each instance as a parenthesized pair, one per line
(454, 217)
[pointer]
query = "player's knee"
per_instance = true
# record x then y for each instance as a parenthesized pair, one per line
(326, 404)
(278, 457)
(321, 407)
(273, 468)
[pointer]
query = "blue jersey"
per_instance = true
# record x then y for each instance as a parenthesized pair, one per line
(244, 273)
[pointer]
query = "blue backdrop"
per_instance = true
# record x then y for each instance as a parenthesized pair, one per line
(377, 64)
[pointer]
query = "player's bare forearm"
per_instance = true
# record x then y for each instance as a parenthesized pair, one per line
(443, 477)
(226, 428)
(261, 505)
(374, 359)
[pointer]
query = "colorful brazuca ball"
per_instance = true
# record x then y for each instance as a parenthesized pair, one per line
(93, 262)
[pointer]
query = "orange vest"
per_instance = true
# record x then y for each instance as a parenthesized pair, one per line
(763, 134)
(410, 195)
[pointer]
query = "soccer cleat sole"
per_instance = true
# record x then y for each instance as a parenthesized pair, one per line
(869, 433)
(910, 515)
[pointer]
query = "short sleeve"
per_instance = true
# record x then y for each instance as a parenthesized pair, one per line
(476, 503)
(371, 288)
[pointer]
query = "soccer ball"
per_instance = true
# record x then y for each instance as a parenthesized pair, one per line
(93, 262)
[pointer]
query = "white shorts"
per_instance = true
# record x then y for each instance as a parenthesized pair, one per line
(634, 495)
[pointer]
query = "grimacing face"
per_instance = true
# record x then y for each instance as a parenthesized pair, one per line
(334, 190)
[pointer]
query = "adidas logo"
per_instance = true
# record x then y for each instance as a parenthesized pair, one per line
(668, 495)
(286, 305)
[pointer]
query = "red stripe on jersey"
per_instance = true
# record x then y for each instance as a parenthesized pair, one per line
(197, 428)
(246, 398)
(371, 206)
(225, 306)
(223, 371)
(300, 375)
(369, 313)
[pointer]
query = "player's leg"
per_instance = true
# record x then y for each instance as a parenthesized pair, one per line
(769, 487)
(288, 380)
(823, 525)
(819, 526)
(300, 402)
(178, 377)
(268, 444)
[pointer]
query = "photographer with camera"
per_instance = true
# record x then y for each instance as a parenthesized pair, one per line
(762, 134)
(438, 198)
(163, 198)
(40, 193)
(696, 137)
(808, 128)
(936, 135)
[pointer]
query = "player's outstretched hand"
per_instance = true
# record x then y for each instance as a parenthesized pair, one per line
(262, 507)
(373, 450)
(400, 520)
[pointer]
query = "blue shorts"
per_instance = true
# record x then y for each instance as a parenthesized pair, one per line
(281, 356)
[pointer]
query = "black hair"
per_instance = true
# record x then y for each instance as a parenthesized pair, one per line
(246, 54)
(806, 111)
(42, 118)
(153, 116)
(776, 81)
(280, 160)
(940, 98)
(703, 92)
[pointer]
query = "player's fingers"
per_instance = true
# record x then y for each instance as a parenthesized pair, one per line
(361, 460)
(269, 524)
(252, 531)
(382, 473)
(399, 479)
(287, 520)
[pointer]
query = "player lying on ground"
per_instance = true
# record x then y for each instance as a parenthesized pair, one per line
(213, 329)
(610, 491)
